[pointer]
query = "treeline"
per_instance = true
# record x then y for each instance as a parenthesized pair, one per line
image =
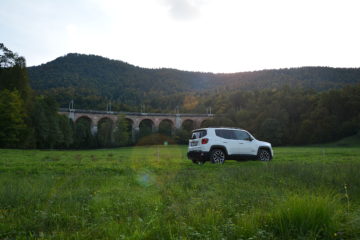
(27, 120)
(290, 116)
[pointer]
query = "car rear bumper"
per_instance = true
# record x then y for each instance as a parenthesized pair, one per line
(198, 155)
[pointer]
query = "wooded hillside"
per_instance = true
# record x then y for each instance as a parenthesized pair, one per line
(93, 80)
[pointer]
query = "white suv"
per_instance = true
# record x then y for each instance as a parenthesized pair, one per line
(219, 144)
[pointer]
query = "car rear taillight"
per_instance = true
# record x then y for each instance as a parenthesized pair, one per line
(204, 141)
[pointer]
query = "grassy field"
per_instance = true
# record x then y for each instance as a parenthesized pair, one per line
(156, 193)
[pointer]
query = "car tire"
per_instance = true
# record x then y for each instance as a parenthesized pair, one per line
(217, 156)
(264, 155)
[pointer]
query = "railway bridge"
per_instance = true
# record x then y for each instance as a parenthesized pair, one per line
(135, 119)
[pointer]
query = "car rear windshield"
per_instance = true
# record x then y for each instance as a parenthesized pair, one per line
(198, 134)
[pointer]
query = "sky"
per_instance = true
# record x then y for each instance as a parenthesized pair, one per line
(197, 35)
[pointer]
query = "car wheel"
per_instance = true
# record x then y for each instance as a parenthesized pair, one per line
(217, 156)
(264, 155)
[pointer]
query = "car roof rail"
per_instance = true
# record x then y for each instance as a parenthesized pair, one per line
(219, 127)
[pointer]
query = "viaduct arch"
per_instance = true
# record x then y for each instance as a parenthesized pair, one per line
(177, 121)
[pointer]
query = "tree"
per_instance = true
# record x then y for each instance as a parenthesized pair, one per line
(13, 74)
(272, 131)
(83, 137)
(17, 100)
(66, 128)
(122, 132)
(12, 119)
(51, 129)
(41, 123)
(182, 136)
(9, 59)
(145, 128)
(165, 128)
(105, 133)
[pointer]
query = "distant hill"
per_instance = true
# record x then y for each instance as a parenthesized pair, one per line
(317, 78)
(94, 78)
(111, 77)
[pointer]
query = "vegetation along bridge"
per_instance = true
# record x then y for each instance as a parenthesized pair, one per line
(136, 120)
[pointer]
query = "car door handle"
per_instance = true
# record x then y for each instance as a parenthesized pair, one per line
(241, 143)
(224, 142)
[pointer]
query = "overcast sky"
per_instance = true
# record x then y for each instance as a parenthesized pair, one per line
(198, 35)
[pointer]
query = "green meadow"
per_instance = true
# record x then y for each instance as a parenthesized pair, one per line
(155, 192)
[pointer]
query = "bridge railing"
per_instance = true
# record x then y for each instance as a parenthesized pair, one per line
(134, 113)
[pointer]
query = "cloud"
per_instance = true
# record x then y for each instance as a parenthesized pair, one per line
(184, 9)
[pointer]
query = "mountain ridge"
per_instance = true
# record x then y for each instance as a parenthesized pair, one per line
(194, 71)
(92, 75)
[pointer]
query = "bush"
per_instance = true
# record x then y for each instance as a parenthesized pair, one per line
(155, 139)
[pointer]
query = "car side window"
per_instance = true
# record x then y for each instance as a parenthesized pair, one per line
(242, 135)
(225, 133)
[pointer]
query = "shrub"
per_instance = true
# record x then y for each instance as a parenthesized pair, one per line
(155, 139)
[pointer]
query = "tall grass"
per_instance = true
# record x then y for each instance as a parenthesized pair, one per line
(156, 193)
(308, 216)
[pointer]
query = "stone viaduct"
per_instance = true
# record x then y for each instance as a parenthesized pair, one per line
(176, 120)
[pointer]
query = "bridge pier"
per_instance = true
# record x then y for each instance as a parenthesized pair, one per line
(178, 121)
(94, 130)
(72, 114)
(94, 125)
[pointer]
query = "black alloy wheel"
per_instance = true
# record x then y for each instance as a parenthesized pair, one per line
(264, 155)
(217, 156)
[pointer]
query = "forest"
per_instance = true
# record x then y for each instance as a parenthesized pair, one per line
(297, 106)
(92, 81)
